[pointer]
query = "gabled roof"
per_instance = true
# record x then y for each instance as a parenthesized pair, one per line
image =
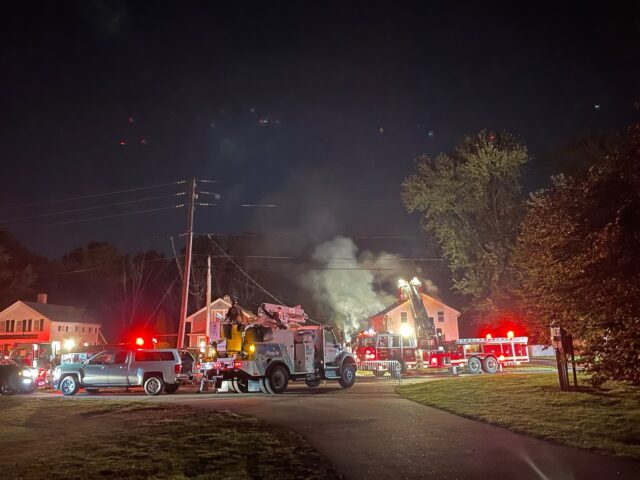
(399, 303)
(222, 300)
(59, 313)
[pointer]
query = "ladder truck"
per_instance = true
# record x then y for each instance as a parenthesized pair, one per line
(427, 349)
(278, 347)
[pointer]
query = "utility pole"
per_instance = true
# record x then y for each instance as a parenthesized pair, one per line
(186, 271)
(208, 327)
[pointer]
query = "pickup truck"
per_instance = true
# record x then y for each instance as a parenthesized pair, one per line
(154, 370)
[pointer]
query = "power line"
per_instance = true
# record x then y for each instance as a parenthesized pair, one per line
(97, 207)
(104, 217)
(95, 195)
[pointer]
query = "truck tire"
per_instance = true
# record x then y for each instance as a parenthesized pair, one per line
(312, 383)
(474, 365)
(153, 386)
(69, 385)
(348, 377)
(490, 364)
(241, 385)
(5, 389)
(278, 379)
(91, 390)
(171, 387)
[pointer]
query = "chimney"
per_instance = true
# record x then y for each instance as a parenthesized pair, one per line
(42, 298)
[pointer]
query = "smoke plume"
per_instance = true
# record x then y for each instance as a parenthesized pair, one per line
(350, 283)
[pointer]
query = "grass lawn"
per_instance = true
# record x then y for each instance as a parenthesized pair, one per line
(606, 420)
(57, 438)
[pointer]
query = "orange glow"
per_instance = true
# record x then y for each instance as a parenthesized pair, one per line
(510, 334)
(489, 337)
(140, 341)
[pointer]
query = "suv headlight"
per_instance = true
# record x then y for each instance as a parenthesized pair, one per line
(27, 373)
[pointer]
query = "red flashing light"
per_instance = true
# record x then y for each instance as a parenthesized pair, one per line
(140, 341)
(237, 364)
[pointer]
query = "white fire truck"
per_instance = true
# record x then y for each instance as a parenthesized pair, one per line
(276, 348)
(428, 350)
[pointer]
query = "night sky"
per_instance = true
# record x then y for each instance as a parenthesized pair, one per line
(317, 107)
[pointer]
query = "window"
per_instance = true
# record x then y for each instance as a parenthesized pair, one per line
(13, 326)
(329, 338)
(408, 342)
(66, 329)
(76, 329)
(155, 356)
(121, 357)
(440, 317)
(383, 341)
(41, 324)
(403, 317)
(395, 341)
(30, 325)
(105, 358)
(7, 326)
(82, 329)
(24, 325)
(59, 328)
(90, 330)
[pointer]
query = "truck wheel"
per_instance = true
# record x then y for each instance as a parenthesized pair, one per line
(91, 390)
(490, 364)
(312, 383)
(241, 385)
(474, 365)
(278, 379)
(6, 389)
(171, 387)
(69, 385)
(348, 377)
(153, 386)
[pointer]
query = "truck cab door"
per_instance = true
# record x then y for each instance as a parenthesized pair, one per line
(331, 347)
(96, 370)
(119, 369)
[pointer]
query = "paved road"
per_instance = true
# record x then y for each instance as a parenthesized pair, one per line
(370, 432)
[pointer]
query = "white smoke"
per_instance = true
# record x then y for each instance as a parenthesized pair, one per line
(349, 283)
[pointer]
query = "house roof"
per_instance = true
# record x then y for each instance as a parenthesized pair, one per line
(221, 299)
(399, 303)
(60, 313)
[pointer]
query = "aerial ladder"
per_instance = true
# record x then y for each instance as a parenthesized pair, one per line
(424, 324)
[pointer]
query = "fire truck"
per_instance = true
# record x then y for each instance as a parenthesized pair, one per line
(278, 347)
(427, 349)
(473, 355)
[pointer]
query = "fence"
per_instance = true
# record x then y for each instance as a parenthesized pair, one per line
(379, 370)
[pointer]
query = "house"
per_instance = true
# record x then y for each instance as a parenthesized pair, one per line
(42, 326)
(400, 313)
(196, 323)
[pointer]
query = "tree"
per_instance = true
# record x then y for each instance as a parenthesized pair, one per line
(17, 273)
(471, 202)
(579, 253)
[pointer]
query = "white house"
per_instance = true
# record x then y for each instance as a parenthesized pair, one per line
(196, 323)
(400, 313)
(25, 324)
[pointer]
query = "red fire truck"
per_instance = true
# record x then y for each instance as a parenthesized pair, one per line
(471, 354)
(427, 349)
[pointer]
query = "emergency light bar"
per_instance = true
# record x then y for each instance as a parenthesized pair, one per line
(466, 341)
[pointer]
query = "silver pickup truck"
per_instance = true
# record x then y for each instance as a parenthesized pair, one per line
(154, 370)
